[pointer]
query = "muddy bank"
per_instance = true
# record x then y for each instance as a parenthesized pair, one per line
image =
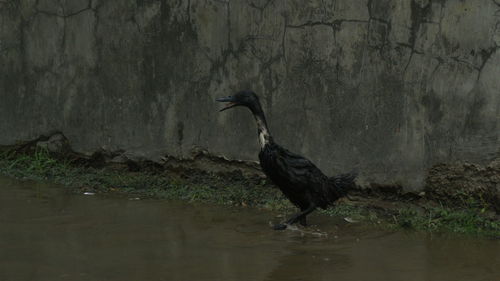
(465, 184)
(452, 200)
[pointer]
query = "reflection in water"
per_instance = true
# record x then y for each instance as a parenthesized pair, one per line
(47, 233)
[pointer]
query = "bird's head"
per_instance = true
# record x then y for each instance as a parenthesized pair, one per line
(241, 98)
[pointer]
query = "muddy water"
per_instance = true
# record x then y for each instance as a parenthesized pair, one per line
(47, 233)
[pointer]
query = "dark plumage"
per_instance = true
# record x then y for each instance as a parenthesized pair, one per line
(297, 177)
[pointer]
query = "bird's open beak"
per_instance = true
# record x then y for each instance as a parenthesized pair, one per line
(229, 100)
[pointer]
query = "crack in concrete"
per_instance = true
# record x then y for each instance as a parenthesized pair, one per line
(228, 7)
(260, 8)
(334, 24)
(486, 54)
(283, 41)
(63, 15)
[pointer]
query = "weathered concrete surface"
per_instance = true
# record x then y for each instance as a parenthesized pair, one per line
(388, 86)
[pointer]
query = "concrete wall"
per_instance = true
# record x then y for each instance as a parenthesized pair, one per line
(388, 86)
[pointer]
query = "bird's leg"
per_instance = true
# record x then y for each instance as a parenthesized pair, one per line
(297, 217)
(301, 215)
(303, 221)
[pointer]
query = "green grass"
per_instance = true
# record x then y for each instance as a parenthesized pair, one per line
(467, 221)
(211, 188)
(440, 219)
(237, 191)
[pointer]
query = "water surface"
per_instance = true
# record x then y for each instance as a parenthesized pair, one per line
(48, 233)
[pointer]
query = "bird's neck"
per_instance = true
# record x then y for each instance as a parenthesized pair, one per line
(262, 130)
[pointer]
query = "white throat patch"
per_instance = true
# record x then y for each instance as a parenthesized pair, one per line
(263, 139)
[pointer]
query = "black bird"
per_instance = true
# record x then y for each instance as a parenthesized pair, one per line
(297, 177)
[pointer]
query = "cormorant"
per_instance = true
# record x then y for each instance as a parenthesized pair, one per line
(297, 177)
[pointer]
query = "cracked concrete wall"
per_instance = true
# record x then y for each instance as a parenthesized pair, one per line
(388, 86)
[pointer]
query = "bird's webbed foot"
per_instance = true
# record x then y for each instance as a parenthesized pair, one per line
(279, 226)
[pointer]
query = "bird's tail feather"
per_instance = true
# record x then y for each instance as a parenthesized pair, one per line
(343, 183)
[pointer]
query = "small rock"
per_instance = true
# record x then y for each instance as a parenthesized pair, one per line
(56, 143)
(350, 220)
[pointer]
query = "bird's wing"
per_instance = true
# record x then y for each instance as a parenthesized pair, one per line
(298, 169)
